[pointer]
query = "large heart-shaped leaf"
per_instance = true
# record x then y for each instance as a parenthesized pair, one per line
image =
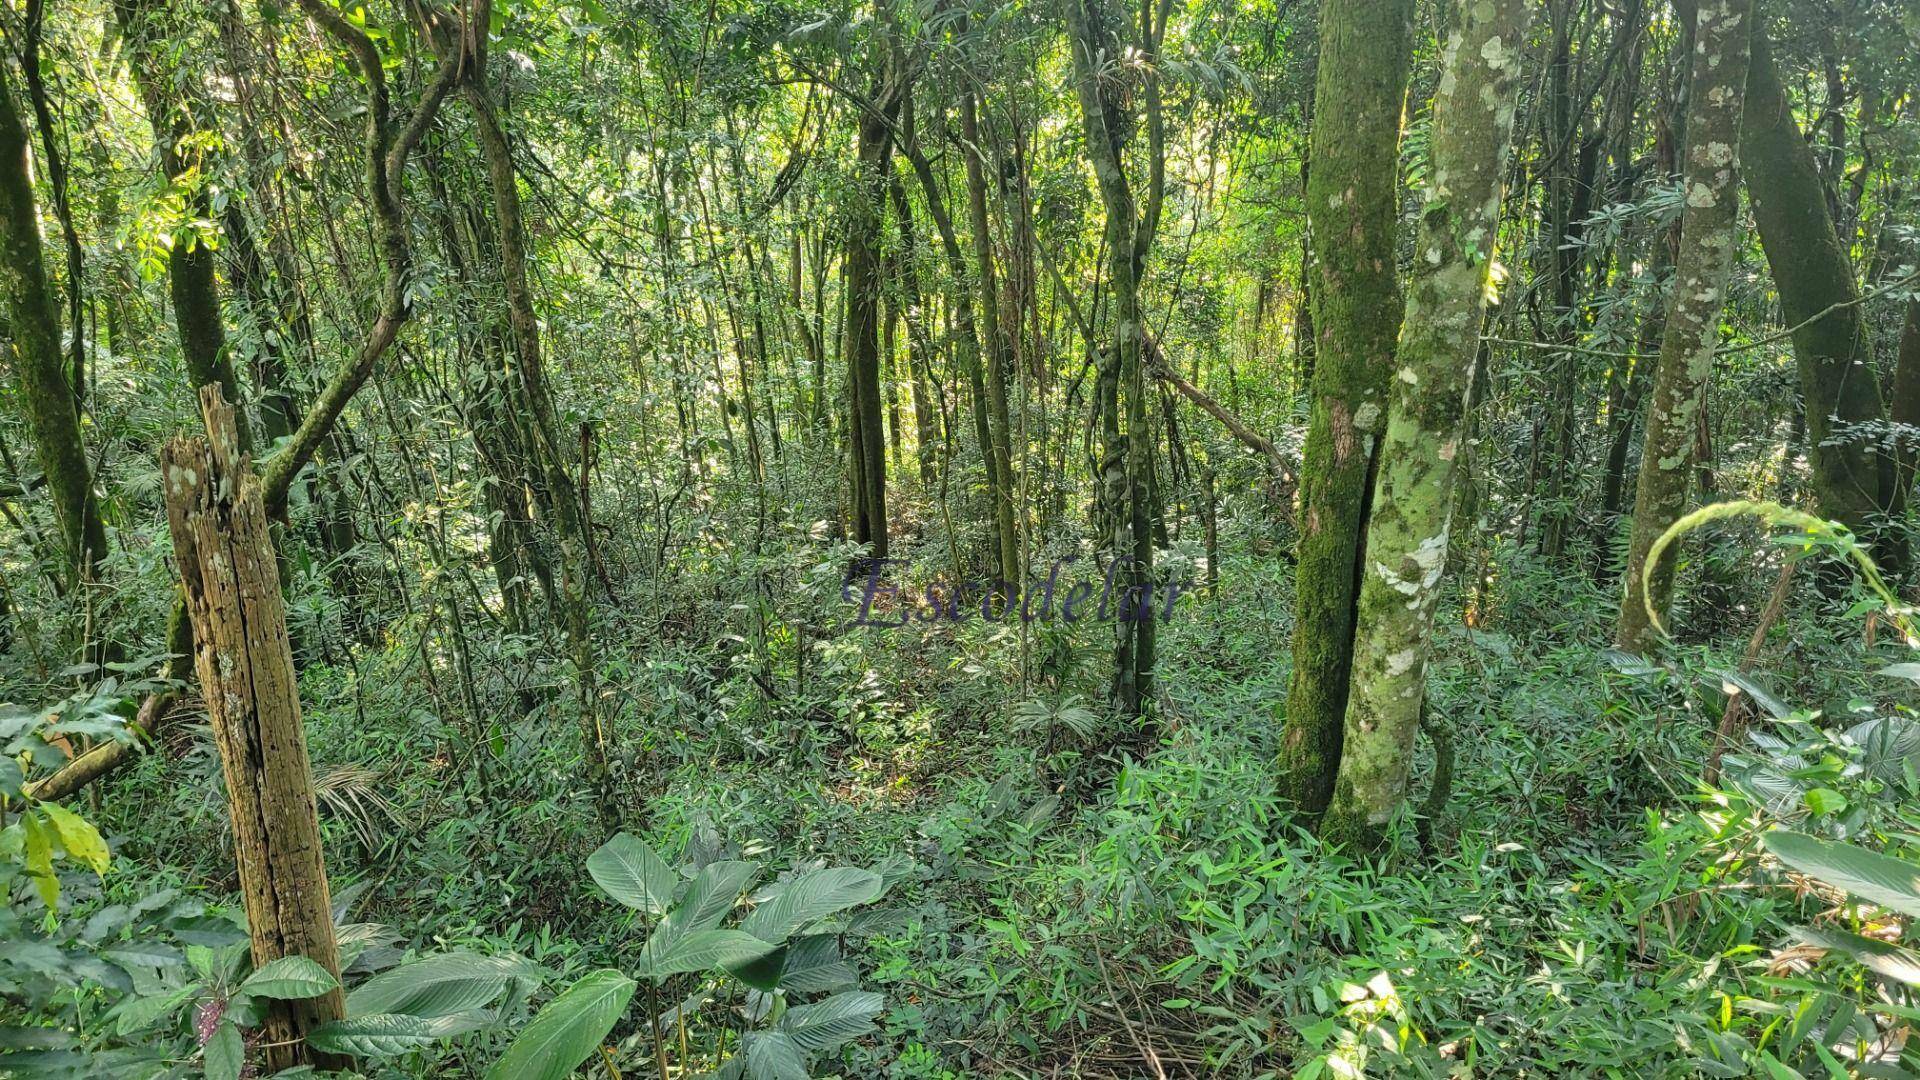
(289, 978)
(567, 1030)
(440, 985)
(1869, 875)
(809, 898)
(379, 1035)
(701, 950)
(631, 873)
(828, 1024)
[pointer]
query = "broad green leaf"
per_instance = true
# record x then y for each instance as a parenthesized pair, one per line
(1902, 671)
(762, 972)
(629, 871)
(567, 1030)
(809, 898)
(830, 1023)
(1869, 875)
(813, 966)
(142, 1013)
(702, 950)
(713, 893)
(78, 836)
(805, 965)
(440, 985)
(39, 859)
(378, 1035)
(289, 978)
(1880, 957)
(1823, 801)
(773, 1055)
(1732, 681)
(226, 1052)
(703, 906)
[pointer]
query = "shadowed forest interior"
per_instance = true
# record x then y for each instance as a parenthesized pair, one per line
(933, 539)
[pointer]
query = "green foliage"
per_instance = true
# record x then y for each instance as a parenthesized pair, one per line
(567, 1030)
(761, 953)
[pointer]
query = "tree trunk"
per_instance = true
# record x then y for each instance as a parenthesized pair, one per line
(1852, 478)
(1906, 399)
(1352, 202)
(45, 394)
(863, 268)
(1121, 388)
(906, 269)
(190, 260)
(549, 450)
(1710, 171)
(1406, 548)
(999, 349)
(245, 663)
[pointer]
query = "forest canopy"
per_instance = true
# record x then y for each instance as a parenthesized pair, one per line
(944, 538)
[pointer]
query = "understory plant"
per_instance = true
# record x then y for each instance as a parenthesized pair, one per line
(778, 967)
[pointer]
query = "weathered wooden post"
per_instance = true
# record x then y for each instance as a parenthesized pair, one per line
(245, 664)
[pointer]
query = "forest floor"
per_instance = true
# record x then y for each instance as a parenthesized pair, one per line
(1581, 898)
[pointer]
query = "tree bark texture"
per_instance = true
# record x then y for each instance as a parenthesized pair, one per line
(1852, 478)
(1406, 543)
(1710, 174)
(1353, 193)
(45, 393)
(245, 663)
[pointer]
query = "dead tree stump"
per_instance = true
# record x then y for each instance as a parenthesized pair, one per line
(245, 663)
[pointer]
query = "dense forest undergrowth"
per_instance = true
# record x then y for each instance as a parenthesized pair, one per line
(942, 539)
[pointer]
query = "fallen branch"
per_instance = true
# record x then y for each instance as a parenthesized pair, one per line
(1232, 423)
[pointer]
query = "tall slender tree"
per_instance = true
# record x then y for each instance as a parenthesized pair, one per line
(1711, 167)
(1852, 475)
(1353, 191)
(1122, 388)
(1412, 509)
(34, 330)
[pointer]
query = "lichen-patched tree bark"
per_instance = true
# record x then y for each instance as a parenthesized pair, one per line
(1852, 479)
(1353, 189)
(1406, 549)
(34, 330)
(1710, 168)
(245, 663)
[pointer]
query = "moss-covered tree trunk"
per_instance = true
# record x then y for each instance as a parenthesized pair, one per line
(1353, 190)
(1710, 168)
(1905, 406)
(549, 450)
(34, 330)
(1852, 477)
(906, 270)
(1406, 547)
